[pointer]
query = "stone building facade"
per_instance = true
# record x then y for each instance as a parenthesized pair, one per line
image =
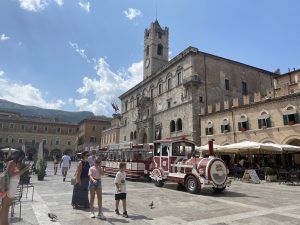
(19, 132)
(271, 117)
(111, 135)
(90, 132)
(166, 104)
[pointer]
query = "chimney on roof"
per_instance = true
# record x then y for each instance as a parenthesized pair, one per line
(289, 70)
(294, 69)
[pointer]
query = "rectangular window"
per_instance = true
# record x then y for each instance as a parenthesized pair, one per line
(169, 104)
(20, 141)
(35, 127)
(244, 88)
(58, 130)
(179, 78)
(209, 131)
(1, 125)
(0, 140)
(11, 126)
(126, 104)
(92, 139)
(22, 127)
(46, 129)
(44, 141)
(160, 89)
(94, 128)
(70, 130)
(225, 128)
(124, 138)
(151, 93)
(69, 142)
(57, 142)
(169, 84)
(227, 84)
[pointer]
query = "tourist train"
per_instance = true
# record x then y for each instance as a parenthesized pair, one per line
(176, 161)
(172, 160)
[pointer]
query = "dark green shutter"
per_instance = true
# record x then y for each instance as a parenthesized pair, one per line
(268, 122)
(297, 118)
(285, 120)
(222, 129)
(259, 124)
(206, 131)
(228, 128)
(247, 125)
(239, 126)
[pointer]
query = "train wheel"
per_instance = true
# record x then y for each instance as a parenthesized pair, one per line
(158, 183)
(218, 190)
(191, 185)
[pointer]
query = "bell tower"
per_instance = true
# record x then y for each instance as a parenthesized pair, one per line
(156, 48)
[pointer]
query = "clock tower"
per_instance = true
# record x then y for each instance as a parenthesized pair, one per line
(156, 48)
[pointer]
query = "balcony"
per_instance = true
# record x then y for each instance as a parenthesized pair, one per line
(192, 80)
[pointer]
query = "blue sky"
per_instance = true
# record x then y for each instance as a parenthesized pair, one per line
(82, 54)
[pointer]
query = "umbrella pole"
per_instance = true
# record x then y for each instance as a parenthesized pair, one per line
(283, 160)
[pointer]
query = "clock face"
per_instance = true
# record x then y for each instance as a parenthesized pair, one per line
(147, 63)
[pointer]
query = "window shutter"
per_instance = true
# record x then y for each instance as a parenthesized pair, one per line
(297, 118)
(268, 120)
(247, 125)
(206, 131)
(285, 120)
(259, 123)
(222, 129)
(228, 128)
(239, 126)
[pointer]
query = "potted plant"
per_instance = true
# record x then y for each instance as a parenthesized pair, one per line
(291, 122)
(41, 169)
(271, 174)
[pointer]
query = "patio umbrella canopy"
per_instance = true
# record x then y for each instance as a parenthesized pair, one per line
(8, 149)
(251, 147)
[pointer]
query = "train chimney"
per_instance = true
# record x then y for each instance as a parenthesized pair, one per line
(210, 139)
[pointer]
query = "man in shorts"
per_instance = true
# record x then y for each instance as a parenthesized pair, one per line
(66, 165)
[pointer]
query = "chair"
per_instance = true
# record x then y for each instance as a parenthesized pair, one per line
(283, 176)
(17, 200)
(27, 184)
(293, 176)
(261, 173)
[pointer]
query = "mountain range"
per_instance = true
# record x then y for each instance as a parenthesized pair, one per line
(36, 112)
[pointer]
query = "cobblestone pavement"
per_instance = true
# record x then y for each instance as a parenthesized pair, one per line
(242, 203)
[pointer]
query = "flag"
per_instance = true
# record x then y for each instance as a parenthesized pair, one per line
(114, 107)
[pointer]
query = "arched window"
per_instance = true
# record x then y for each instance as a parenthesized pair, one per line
(172, 126)
(243, 123)
(290, 115)
(131, 136)
(225, 125)
(179, 124)
(159, 49)
(134, 135)
(209, 127)
(147, 50)
(264, 120)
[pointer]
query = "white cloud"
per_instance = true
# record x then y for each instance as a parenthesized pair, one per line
(85, 6)
(10, 91)
(108, 87)
(132, 13)
(3, 37)
(80, 51)
(38, 5)
(59, 2)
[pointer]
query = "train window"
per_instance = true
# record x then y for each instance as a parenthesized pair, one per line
(157, 147)
(165, 151)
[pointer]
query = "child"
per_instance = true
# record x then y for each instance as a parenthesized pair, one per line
(95, 173)
(120, 192)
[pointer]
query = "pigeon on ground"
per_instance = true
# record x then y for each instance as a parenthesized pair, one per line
(52, 216)
(151, 205)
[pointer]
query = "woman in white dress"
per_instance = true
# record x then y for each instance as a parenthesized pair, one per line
(14, 177)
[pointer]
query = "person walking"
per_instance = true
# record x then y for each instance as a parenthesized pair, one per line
(120, 189)
(55, 163)
(92, 158)
(80, 191)
(95, 186)
(14, 177)
(66, 165)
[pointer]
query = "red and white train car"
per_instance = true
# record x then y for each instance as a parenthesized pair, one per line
(137, 158)
(175, 161)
